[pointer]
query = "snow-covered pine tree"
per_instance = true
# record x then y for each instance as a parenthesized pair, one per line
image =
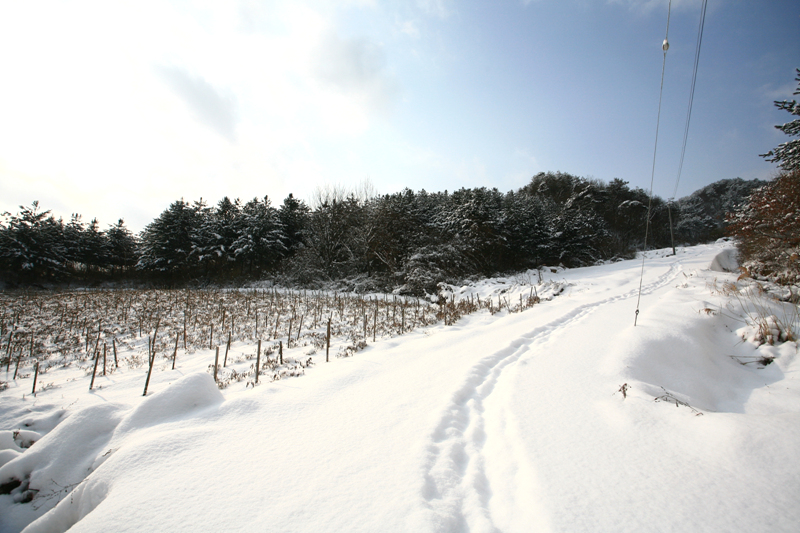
(167, 242)
(259, 244)
(121, 248)
(214, 236)
(31, 245)
(294, 217)
(787, 155)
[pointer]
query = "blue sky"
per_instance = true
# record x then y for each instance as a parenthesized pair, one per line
(114, 109)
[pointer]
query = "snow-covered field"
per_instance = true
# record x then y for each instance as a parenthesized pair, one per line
(563, 417)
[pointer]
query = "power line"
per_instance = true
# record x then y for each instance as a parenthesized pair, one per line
(664, 47)
(691, 91)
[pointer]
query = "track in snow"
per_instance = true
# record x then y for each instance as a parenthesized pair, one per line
(456, 490)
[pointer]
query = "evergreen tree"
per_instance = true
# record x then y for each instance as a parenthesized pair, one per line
(787, 155)
(475, 221)
(214, 235)
(260, 236)
(31, 245)
(167, 242)
(120, 248)
(294, 217)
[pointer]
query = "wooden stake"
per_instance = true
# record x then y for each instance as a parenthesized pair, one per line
(8, 351)
(211, 338)
(35, 376)
(96, 359)
(300, 328)
(105, 347)
(328, 342)
(16, 368)
(149, 369)
(114, 346)
(175, 352)
(258, 360)
(227, 347)
(280, 351)
(216, 364)
(97, 343)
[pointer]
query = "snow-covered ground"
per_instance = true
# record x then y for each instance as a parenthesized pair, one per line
(563, 417)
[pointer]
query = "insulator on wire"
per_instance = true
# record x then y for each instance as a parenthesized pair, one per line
(665, 46)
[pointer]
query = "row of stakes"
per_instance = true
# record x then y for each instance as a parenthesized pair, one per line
(151, 357)
(151, 360)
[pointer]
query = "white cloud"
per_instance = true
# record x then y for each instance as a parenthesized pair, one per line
(209, 105)
(437, 8)
(409, 28)
(356, 67)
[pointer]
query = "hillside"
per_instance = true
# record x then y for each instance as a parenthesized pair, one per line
(560, 416)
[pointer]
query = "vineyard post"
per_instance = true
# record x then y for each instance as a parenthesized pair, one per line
(280, 351)
(96, 360)
(227, 347)
(299, 329)
(258, 359)
(216, 364)
(105, 347)
(16, 368)
(97, 342)
(328, 342)
(149, 368)
(114, 346)
(211, 338)
(35, 376)
(175, 352)
(8, 350)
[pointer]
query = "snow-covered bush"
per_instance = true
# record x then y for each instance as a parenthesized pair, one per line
(768, 229)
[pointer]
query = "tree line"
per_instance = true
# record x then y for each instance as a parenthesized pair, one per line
(407, 241)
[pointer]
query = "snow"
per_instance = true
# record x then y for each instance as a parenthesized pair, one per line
(501, 422)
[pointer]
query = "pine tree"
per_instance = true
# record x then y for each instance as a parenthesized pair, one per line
(294, 216)
(31, 245)
(214, 235)
(260, 237)
(167, 242)
(120, 248)
(787, 155)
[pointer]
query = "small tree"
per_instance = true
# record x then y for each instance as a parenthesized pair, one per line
(768, 229)
(787, 155)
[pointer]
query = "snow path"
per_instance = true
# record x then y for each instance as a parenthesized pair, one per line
(504, 423)
(457, 489)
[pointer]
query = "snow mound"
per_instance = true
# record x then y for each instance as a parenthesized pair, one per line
(186, 397)
(50, 468)
(725, 261)
(60, 464)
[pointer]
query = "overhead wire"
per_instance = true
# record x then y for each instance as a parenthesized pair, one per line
(691, 91)
(664, 47)
(688, 119)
